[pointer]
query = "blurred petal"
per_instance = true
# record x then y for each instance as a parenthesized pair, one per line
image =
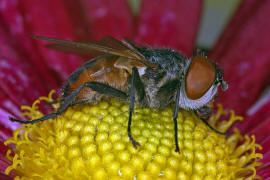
(246, 60)
(257, 123)
(77, 18)
(5, 177)
(6, 126)
(263, 170)
(257, 114)
(245, 10)
(6, 49)
(8, 105)
(50, 18)
(266, 149)
(19, 82)
(107, 17)
(4, 163)
(261, 131)
(172, 23)
(13, 22)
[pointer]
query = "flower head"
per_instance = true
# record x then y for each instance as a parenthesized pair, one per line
(90, 141)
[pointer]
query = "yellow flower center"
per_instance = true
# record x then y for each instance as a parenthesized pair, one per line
(91, 142)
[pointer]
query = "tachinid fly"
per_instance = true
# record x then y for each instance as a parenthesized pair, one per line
(142, 75)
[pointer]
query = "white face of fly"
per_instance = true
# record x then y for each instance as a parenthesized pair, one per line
(191, 104)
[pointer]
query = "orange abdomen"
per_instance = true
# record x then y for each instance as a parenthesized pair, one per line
(102, 71)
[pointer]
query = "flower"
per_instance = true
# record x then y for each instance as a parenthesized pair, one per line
(242, 51)
(91, 141)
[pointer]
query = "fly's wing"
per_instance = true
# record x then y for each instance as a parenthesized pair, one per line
(106, 45)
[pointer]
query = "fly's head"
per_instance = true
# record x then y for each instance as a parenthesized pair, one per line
(200, 82)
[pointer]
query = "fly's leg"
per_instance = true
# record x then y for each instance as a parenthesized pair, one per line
(175, 115)
(68, 100)
(136, 84)
(207, 124)
(166, 94)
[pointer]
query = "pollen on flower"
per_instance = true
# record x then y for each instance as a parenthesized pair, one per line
(91, 142)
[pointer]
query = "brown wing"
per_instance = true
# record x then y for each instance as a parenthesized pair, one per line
(106, 45)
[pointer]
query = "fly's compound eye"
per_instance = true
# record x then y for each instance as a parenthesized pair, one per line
(200, 77)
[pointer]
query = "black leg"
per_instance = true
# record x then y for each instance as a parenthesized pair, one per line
(68, 100)
(175, 115)
(207, 124)
(135, 84)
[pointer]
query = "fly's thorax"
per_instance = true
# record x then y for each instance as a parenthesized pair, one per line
(171, 61)
(171, 66)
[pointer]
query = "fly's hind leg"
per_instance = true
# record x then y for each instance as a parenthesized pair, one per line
(136, 84)
(68, 100)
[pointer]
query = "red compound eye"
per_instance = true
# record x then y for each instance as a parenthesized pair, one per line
(200, 77)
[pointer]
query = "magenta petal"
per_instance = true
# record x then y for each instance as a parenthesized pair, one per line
(19, 82)
(246, 61)
(261, 131)
(8, 105)
(169, 23)
(6, 123)
(4, 163)
(5, 177)
(77, 18)
(50, 18)
(252, 120)
(265, 146)
(13, 22)
(6, 49)
(245, 10)
(108, 18)
(264, 170)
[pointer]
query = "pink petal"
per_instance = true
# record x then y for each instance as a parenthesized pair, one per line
(266, 146)
(50, 18)
(18, 82)
(107, 17)
(169, 23)
(4, 163)
(8, 105)
(14, 24)
(6, 126)
(264, 171)
(253, 120)
(261, 131)
(246, 60)
(6, 48)
(245, 10)
(78, 19)
(5, 177)
(16, 72)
